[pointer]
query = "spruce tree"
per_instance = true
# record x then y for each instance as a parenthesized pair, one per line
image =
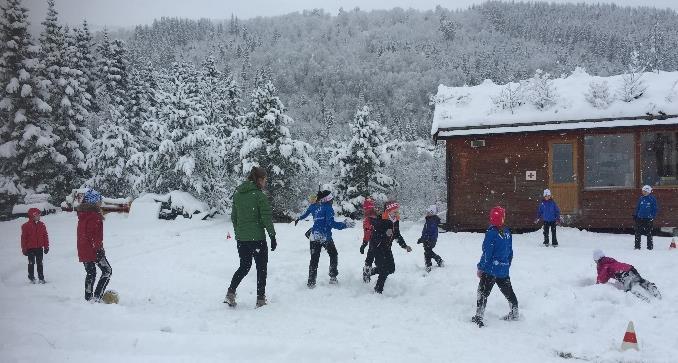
(266, 142)
(69, 103)
(361, 163)
(27, 152)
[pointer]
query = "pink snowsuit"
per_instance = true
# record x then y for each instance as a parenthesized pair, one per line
(609, 268)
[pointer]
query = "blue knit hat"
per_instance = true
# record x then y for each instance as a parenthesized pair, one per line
(92, 197)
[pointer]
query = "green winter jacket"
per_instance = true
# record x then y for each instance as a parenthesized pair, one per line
(251, 213)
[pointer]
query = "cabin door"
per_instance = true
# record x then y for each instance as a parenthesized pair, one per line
(563, 178)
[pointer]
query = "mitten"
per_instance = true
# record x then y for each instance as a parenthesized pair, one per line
(46, 250)
(362, 248)
(274, 244)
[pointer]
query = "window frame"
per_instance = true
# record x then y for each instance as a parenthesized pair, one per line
(634, 156)
(641, 135)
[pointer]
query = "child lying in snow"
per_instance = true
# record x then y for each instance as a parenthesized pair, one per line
(609, 268)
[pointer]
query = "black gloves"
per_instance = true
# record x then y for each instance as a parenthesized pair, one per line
(46, 249)
(274, 244)
(362, 248)
(420, 241)
(295, 222)
(101, 254)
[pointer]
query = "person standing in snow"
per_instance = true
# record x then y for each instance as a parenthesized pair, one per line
(91, 245)
(34, 241)
(609, 268)
(385, 229)
(644, 215)
(494, 266)
(321, 236)
(252, 217)
(549, 213)
(369, 212)
(429, 237)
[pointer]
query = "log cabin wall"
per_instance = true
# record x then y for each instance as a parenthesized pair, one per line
(495, 174)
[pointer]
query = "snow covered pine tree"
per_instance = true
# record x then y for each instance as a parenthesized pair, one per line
(361, 163)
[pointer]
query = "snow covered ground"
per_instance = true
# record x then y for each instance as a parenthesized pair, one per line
(172, 277)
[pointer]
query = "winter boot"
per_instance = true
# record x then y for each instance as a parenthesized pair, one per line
(478, 320)
(441, 263)
(333, 280)
(367, 273)
(261, 301)
(311, 284)
(428, 268)
(513, 315)
(230, 298)
(41, 281)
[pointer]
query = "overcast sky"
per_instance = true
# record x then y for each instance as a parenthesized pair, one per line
(132, 12)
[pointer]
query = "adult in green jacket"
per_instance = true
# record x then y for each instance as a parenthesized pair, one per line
(251, 217)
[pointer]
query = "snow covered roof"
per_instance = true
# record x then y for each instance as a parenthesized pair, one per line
(578, 101)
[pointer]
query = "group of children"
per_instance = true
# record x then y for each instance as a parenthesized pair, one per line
(381, 228)
(90, 230)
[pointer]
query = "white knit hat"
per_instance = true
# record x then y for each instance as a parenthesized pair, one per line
(547, 192)
(598, 254)
(647, 189)
(432, 209)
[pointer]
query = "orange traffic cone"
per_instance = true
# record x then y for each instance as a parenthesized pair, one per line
(228, 235)
(630, 341)
(673, 243)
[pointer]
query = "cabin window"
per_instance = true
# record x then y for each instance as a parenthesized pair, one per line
(609, 160)
(659, 157)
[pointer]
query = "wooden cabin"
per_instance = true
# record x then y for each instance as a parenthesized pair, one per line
(595, 166)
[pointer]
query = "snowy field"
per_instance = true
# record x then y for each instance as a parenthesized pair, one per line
(172, 277)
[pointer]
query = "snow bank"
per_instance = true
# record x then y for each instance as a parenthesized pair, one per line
(476, 105)
(172, 278)
(44, 207)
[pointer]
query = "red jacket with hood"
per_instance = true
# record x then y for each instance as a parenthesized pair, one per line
(33, 235)
(90, 232)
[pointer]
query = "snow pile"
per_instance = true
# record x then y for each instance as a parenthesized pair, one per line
(172, 278)
(37, 200)
(168, 206)
(579, 96)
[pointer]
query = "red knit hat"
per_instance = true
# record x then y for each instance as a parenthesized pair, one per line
(33, 212)
(497, 216)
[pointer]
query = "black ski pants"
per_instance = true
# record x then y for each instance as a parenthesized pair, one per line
(35, 257)
(369, 259)
(429, 254)
(550, 226)
(383, 257)
(248, 250)
(106, 272)
(644, 228)
(485, 287)
(316, 248)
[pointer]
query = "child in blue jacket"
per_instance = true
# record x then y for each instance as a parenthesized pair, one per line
(549, 213)
(429, 237)
(644, 216)
(494, 266)
(321, 236)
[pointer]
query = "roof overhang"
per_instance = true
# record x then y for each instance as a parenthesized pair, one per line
(554, 126)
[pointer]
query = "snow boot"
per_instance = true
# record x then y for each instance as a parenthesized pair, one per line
(546, 243)
(32, 280)
(441, 263)
(428, 268)
(261, 301)
(333, 280)
(651, 288)
(367, 273)
(311, 284)
(478, 320)
(42, 281)
(513, 315)
(230, 299)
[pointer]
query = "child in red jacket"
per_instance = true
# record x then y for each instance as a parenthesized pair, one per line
(91, 245)
(609, 268)
(34, 241)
